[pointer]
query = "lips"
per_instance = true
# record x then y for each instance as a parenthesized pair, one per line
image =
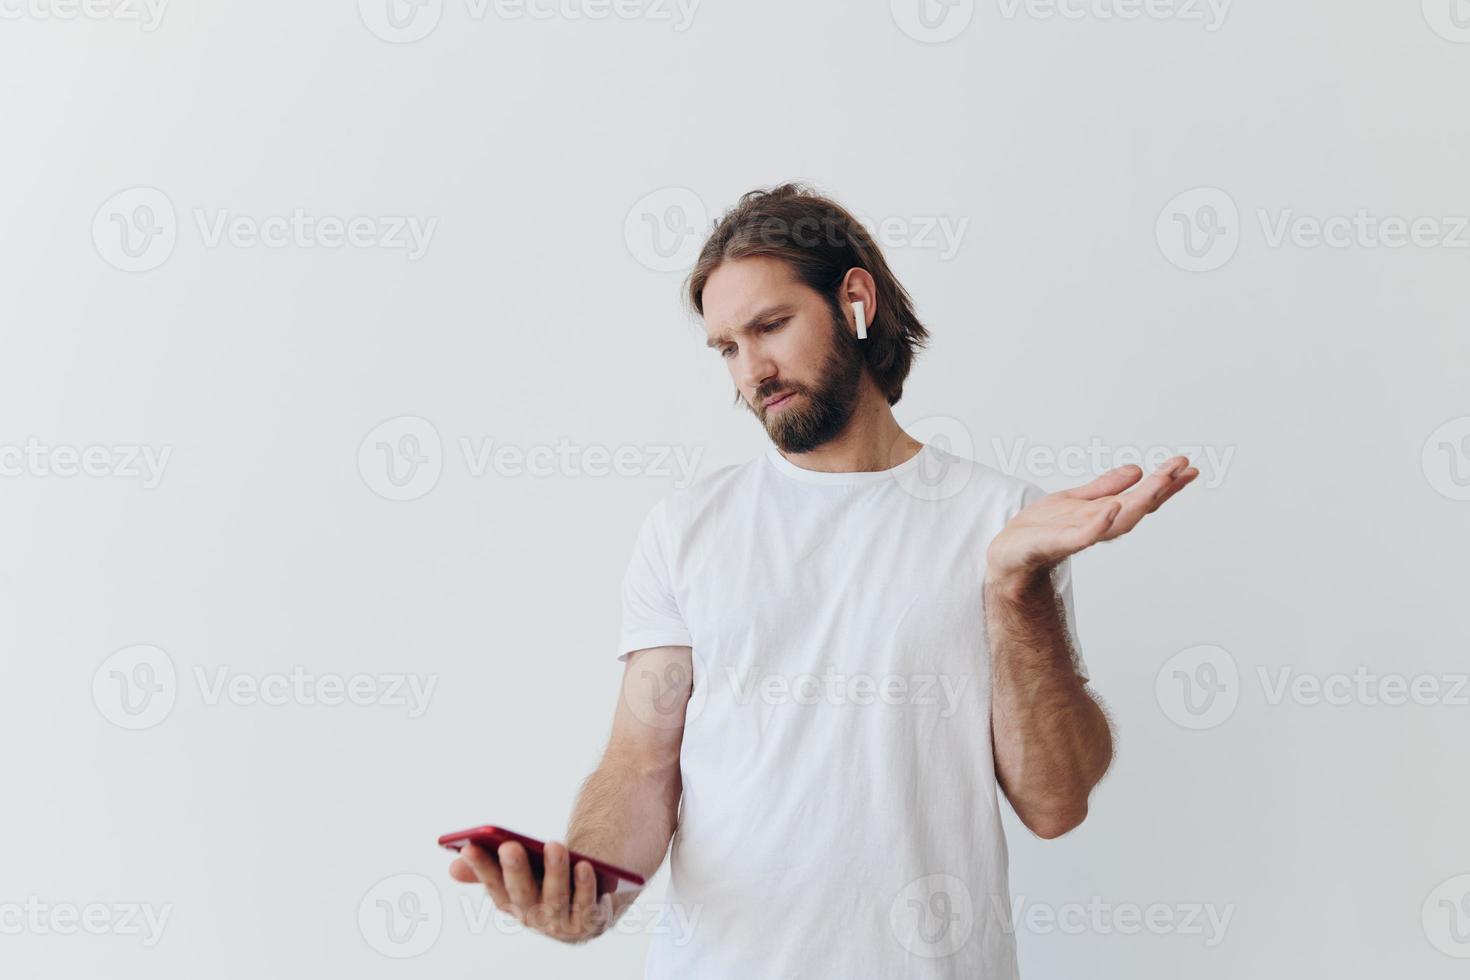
(778, 400)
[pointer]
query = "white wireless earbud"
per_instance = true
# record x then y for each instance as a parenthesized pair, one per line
(860, 315)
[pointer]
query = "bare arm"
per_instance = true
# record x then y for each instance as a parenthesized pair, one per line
(629, 806)
(1052, 739)
(625, 814)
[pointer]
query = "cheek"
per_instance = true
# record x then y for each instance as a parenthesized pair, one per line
(797, 356)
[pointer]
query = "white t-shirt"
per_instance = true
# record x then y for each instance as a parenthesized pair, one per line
(840, 815)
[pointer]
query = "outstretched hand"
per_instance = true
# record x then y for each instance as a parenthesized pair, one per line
(1061, 524)
(563, 904)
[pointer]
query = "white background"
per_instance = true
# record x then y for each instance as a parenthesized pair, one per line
(543, 309)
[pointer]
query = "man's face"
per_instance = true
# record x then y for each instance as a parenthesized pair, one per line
(797, 367)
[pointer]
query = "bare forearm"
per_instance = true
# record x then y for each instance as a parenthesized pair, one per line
(1052, 740)
(626, 814)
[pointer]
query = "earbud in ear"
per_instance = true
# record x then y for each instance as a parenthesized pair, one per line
(860, 317)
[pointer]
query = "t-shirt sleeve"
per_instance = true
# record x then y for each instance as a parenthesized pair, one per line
(1061, 579)
(651, 616)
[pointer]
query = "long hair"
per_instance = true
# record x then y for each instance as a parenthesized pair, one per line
(820, 241)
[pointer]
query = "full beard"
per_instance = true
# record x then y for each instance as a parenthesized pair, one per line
(826, 407)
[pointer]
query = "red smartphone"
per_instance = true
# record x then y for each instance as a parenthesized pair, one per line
(609, 878)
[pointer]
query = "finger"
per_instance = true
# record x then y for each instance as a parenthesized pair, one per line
(1135, 506)
(1144, 499)
(520, 881)
(1091, 529)
(1180, 482)
(555, 888)
(484, 869)
(1112, 482)
(584, 897)
(1172, 467)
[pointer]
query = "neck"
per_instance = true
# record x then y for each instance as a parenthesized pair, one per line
(873, 440)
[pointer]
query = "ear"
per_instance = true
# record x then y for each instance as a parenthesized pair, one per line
(858, 295)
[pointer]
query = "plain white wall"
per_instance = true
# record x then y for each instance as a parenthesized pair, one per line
(1064, 151)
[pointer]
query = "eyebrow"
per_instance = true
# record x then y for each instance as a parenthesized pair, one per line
(769, 313)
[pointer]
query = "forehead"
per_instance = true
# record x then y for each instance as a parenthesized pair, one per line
(741, 289)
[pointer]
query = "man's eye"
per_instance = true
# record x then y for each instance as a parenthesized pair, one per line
(726, 352)
(773, 326)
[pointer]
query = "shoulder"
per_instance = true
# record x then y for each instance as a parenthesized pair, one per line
(981, 485)
(682, 506)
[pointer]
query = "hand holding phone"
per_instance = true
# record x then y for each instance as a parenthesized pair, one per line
(566, 895)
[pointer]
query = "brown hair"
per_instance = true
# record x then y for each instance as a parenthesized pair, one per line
(820, 241)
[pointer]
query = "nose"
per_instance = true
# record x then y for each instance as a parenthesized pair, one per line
(754, 369)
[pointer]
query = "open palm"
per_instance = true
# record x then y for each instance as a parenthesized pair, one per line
(1064, 523)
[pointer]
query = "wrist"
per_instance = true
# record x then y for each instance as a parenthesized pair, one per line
(1018, 585)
